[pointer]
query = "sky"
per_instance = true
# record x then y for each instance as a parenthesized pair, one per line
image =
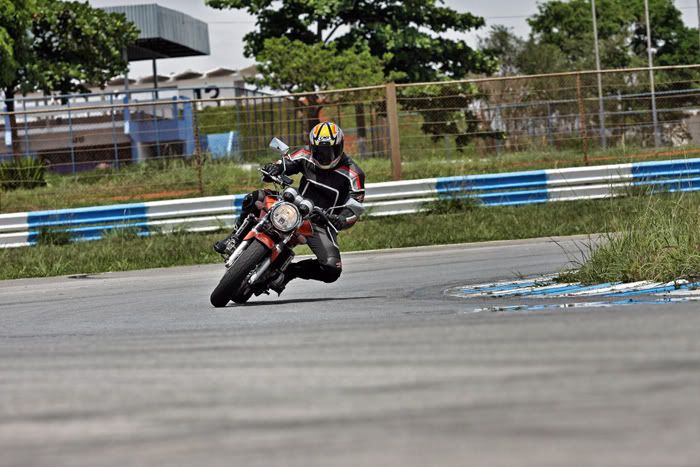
(227, 28)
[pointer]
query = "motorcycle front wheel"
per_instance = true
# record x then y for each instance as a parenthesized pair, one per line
(231, 286)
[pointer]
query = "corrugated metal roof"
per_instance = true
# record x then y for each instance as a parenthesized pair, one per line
(165, 33)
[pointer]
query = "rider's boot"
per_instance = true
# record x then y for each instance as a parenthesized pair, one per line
(229, 244)
(279, 283)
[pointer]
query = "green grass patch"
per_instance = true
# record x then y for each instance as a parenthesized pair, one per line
(452, 223)
(660, 243)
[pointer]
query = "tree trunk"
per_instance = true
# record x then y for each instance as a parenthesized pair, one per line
(10, 104)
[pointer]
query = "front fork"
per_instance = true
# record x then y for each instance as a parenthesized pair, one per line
(240, 233)
(276, 252)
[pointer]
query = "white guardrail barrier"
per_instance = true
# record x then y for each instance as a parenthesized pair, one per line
(382, 199)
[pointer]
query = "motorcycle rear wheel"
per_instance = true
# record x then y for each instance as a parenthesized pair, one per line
(232, 285)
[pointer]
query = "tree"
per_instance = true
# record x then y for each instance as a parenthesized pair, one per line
(296, 67)
(503, 44)
(567, 25)
(58, 47)
(410, 33)
(79, 46)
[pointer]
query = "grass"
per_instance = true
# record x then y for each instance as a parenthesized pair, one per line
(178, 178)
(461, 222)
(661, 243)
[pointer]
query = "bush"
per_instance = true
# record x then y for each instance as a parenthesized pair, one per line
(452, 205)
(48, 236)
(22, 173)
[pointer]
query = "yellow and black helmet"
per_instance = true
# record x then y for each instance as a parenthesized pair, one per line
(326, 144)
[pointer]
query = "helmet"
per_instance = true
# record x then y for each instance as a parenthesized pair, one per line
(326, 144)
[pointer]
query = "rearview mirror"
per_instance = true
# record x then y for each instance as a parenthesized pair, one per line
(279, 146)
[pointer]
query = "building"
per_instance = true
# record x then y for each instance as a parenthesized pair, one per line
(80, 132)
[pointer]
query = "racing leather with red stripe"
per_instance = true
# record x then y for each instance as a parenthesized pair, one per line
(328, 188)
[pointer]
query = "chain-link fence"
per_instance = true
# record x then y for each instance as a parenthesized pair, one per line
(179, 146)
(552, 113)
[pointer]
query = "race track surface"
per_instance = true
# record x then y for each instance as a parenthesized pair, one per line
(380, 368)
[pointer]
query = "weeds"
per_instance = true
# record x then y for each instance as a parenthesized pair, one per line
(47, 236)
(451, 205)
(26, 173)
(661, 243)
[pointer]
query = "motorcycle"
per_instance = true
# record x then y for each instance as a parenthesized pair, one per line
(269, 239)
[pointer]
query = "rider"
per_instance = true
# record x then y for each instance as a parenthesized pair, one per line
(330, 178)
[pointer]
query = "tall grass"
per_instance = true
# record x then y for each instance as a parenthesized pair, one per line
(661, 243)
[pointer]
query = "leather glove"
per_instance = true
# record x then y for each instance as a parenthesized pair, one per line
(271, 169)
(317, 218)
(337, 221)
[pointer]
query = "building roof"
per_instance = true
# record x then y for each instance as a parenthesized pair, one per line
(219, 72)
(187, 74)
(120, 81)
(149, 78)
(165, 33)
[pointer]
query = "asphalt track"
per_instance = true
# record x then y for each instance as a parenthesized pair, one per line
(380, 368)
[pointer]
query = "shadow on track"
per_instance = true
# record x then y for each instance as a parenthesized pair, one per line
(299, 300)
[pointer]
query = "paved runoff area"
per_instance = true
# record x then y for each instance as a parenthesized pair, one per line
(410, 359)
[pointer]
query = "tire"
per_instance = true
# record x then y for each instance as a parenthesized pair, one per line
(230, 286)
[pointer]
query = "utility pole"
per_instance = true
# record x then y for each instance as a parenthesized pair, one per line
(698, 2)
(601, 107)
(657, 136)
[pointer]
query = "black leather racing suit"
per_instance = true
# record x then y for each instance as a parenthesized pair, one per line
(327, 189)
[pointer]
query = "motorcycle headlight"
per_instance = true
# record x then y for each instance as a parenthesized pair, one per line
(285, 217)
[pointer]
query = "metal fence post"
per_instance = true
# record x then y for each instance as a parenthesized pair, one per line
(652, 86)
(197, 148)
(26, 129)
(114, 132)
(601, 108)
(156, 127)
(582, 118)
(392, 115)
(72, 138)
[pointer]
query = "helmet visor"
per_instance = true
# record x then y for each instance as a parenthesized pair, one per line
(324, 155)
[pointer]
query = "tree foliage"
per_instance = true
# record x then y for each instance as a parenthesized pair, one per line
(60, 46)
(561, 37)
(411, 33)
(15, 41)
(78, 46)
(293, 66)
(622, 32)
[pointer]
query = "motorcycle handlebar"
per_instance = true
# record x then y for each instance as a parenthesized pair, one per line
(279, 179)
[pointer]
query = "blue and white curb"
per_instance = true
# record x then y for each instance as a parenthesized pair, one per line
(382, 199)
(194, 214)
(548, 287)
(579, 305)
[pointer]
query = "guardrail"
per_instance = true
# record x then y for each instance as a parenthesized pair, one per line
(382, 199)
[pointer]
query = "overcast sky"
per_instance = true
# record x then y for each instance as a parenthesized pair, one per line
(227, 28)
